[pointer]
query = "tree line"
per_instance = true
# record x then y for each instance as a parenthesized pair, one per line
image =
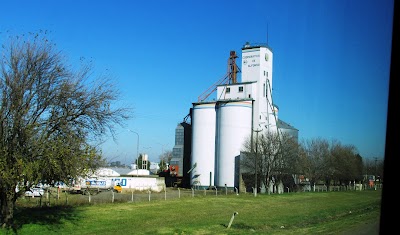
(272, 157)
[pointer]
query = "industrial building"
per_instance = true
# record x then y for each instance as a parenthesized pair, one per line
(209, 156)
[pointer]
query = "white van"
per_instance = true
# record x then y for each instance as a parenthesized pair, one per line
(34, 192)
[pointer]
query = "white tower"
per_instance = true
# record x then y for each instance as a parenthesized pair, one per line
(257, 67)
(220, 128)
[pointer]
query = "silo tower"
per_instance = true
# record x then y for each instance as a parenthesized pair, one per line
(257, 61)
(220, 127)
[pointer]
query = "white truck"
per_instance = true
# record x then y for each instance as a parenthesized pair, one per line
(95, 185)
(92, 185)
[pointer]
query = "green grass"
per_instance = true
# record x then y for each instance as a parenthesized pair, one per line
(294, 213)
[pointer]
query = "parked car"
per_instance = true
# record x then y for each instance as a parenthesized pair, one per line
(35, 192)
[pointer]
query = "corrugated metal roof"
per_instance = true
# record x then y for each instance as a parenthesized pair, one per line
(121, 170)
(283, 125)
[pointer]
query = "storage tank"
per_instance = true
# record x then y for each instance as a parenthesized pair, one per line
(233, 128)
(203, 144)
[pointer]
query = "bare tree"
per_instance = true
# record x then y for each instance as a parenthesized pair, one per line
(274, 157)
(315, 160)
(261, 157)
(373, 166)
(321, 161)
(50, 115)
(165, 158)
(288, 164)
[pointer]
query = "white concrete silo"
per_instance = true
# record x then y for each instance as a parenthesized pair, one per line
(234, 120)
(203, 144)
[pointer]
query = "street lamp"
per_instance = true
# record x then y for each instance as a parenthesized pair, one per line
(137, 152)
(162, 154)
(162, 147)
(146, 148)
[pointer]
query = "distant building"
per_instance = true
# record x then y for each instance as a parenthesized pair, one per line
(111, 171)
(119, 171)
(177, 151)
(154, 167)
(180, 161)
(284, 127)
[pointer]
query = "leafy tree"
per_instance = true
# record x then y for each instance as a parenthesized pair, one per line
(50, 117)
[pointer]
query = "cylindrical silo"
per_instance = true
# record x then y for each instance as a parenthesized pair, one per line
(203, 144)
(234, 120)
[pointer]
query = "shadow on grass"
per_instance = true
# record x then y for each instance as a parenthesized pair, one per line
(51, 216)
(239, 226)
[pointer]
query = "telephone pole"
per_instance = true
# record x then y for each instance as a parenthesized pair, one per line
(376, 160)
(255, 163)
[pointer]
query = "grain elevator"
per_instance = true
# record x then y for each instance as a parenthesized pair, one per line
(220, 126)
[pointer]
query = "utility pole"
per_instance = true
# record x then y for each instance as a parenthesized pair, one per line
(255, 163)
(137, 152)
(376, 160)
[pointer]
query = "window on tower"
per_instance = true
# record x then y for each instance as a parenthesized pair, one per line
(228, 90)
(240, 89)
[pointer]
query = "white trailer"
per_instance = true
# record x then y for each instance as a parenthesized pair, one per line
(92, 185)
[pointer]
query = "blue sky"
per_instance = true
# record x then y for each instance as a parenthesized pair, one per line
(330, 73)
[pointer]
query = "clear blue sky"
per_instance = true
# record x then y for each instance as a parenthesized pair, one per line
(330, 74)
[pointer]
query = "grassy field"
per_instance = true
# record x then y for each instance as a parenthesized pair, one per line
(290, 213)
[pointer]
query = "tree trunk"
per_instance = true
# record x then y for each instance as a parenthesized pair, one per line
(7, 208)
(268, 184)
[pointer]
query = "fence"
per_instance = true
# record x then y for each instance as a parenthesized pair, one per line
(54, 197)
